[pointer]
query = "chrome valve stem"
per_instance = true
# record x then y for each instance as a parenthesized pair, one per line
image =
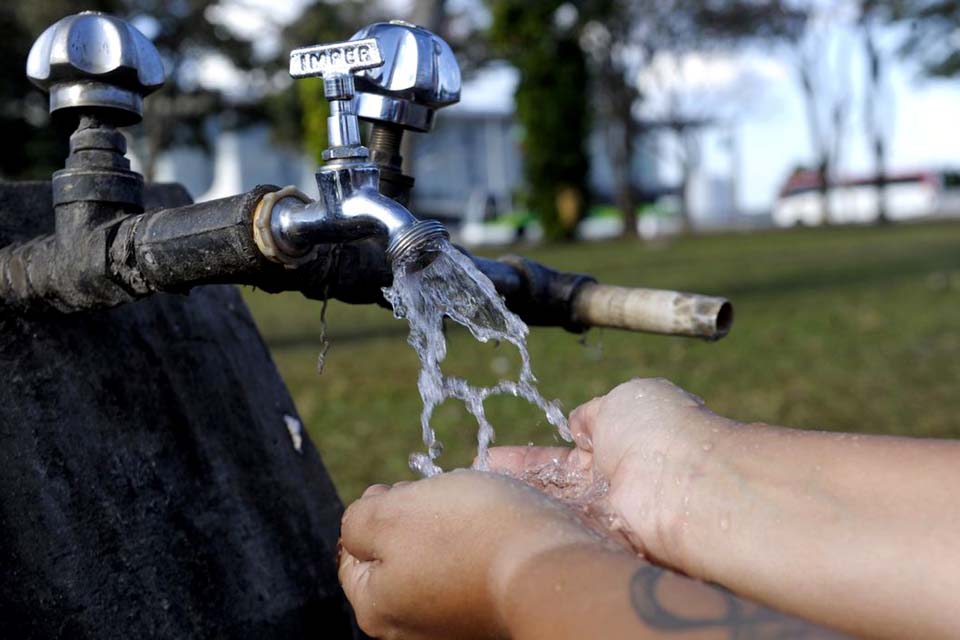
(336, 63)
(351, 205)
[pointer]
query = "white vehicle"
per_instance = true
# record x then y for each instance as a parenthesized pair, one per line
(854, 201)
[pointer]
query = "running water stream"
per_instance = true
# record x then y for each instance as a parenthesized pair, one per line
(452, 286)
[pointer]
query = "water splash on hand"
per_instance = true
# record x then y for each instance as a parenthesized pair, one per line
(452, 286)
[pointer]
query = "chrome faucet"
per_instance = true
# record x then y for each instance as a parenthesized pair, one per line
(107, 242)
(420, 74)
(288, 226)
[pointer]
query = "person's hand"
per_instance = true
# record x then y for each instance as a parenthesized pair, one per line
(647, 439)
(433, 558)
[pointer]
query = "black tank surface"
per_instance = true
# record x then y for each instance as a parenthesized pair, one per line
(149, 486)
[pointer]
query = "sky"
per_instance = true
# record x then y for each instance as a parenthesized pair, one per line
(774, 138)
(756, 97)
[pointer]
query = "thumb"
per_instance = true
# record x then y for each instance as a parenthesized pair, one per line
(582, 422)
(358, 581)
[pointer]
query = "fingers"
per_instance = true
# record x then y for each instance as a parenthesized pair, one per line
(361, 522)
(656, 390)
(375, 489)
(582, 421)
(354, 575)
(357, 580)
(517, 460)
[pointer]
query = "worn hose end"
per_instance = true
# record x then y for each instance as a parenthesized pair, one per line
(673, 313)
(405, 243)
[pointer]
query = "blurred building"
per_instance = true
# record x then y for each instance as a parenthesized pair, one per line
(712, 200)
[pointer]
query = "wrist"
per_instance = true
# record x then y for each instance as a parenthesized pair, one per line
(544, 595)
(525, 547)
(681, 474)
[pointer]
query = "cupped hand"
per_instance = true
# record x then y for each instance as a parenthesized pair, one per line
(433, 558)
(645, 441)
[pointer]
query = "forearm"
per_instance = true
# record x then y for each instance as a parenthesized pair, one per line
(586, 592)
(857, 532)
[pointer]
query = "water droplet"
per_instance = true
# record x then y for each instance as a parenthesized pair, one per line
(707, 446)
(659, 458)
(724, 524)
(421, 464)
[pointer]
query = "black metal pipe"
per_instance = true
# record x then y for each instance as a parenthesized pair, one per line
(173, 250)
(204, 243)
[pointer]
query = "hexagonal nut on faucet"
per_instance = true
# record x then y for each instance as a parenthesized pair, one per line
(420, 74)
(92, 62)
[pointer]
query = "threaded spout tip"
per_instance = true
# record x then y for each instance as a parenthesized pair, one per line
(408, 241)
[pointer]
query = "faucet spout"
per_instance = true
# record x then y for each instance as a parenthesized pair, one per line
(350, 207)
(405, 233)
(370, 204)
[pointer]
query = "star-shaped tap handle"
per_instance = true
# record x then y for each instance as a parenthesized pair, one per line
(94, 63)
(336, 63)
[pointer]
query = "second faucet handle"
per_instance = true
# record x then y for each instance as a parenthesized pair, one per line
(336, 63)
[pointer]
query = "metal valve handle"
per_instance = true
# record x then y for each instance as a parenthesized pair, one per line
(336, 63)
(94, 62)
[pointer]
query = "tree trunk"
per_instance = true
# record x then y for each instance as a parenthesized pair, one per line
(874, 125)
(620, 144)
(823, 176)
(817, 138)
(880, 159)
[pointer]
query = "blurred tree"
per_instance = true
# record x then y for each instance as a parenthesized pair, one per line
(623, 38)
(188, 33)
(551, 101)
(299, 111)
(877, 99)
(932, 33)
(184, 31)
(823, 59)
(32, 147)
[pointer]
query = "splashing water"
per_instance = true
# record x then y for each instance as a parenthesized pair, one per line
(452, 286)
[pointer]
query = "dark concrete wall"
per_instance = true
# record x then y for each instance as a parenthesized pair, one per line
(148, 484)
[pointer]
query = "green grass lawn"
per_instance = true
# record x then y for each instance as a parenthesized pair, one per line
(853, 329)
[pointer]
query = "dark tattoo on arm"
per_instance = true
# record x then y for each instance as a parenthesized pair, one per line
(741, 620)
